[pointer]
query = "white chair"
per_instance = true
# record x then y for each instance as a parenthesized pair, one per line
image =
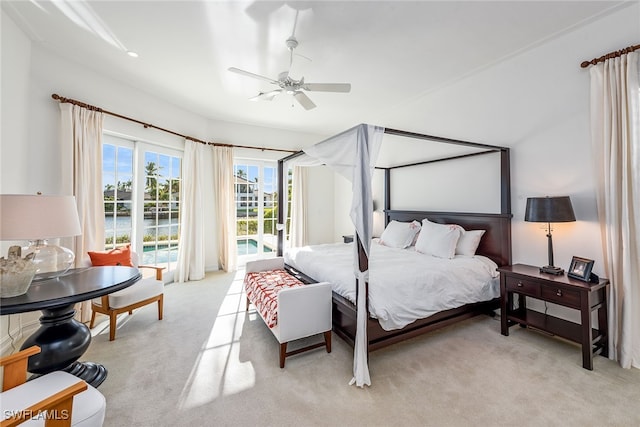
(67, 400)
(145, 291)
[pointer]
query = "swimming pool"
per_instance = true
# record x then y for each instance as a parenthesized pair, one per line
(250, 246)
(163, 254)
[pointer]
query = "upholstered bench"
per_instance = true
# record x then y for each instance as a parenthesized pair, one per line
(290, 308)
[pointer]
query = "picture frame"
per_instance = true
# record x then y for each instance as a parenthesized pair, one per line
(580, 268)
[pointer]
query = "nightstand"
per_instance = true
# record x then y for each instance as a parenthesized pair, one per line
(527, 281)
(348, 238)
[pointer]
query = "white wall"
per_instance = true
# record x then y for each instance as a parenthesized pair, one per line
(320, 229)
(461, 185)
(16, 48)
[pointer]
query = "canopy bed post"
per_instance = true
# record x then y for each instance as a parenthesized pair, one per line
(387, 192)
(505, 181)
(281, 206)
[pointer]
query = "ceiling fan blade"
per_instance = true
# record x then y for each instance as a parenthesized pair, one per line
(327, 87)
(268, 96)
(304, 100)
(255, 76)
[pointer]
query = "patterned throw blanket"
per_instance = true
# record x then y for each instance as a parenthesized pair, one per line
(262, 289)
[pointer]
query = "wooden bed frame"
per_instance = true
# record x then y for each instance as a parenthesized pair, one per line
(495, 244)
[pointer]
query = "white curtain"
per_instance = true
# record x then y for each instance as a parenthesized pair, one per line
(615, 134)
(81, 146)
(298, 207)
(353, 154)
(225, 207)
(191, 250)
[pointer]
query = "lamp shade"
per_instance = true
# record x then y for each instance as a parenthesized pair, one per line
(38, 217)
(549, 209)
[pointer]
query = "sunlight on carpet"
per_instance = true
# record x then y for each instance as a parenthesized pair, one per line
(218, 370)
(102, 323)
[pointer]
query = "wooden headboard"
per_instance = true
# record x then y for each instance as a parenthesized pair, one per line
(495, 243)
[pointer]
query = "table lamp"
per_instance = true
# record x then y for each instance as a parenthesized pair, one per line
(37, 218)
(549, 209)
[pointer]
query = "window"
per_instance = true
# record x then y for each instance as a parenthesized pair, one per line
(141, 187)
(117, 181)
(256, 199)
(161, 208)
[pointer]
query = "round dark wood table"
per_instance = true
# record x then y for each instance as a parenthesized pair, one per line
(61, 338)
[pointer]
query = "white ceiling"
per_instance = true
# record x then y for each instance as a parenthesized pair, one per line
(392, 52)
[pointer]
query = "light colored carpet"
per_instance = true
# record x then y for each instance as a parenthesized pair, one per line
(210, 363)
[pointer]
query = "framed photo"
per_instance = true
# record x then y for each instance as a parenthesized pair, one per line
(580, 268)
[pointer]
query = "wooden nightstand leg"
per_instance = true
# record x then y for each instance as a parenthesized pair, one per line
(505, 306)
(587, 332)
(603, 322)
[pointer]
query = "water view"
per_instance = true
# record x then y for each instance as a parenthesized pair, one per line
(165, 226)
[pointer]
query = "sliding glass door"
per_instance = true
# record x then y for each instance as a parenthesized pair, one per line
(256, 200)
(141, 189)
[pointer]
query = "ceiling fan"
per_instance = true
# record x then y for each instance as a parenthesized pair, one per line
(291, 86)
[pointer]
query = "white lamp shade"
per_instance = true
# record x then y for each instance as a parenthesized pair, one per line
(38, 217)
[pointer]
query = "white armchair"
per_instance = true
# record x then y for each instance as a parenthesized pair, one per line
(146, 291)
(67, 400)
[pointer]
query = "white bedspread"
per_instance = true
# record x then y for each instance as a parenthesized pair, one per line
(404, 285)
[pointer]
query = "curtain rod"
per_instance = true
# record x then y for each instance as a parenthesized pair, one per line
(610, 55)
(148, 125)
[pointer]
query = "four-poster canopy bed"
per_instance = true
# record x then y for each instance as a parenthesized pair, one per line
(357, 149)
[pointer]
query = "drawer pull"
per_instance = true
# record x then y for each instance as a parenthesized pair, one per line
(559, 292)
(520, 284)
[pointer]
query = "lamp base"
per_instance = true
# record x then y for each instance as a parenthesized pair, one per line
(51, 260)
(549, 269)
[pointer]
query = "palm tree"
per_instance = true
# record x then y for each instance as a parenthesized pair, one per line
(152, 171)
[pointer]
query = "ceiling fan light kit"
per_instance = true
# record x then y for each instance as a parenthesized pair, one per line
(291, 86)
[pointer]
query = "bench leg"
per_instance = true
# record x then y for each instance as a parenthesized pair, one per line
(327, 341)
(283, 353)
(248, 302)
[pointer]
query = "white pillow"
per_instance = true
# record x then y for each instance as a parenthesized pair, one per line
(399, 234)
(468, 242)
(438, 240)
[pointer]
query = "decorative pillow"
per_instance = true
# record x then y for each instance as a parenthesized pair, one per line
(399, 234)
(118, 256)
(438, 240)
(468, 242)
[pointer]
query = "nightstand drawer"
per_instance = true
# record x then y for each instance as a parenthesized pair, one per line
(562, 296)
(523, 286)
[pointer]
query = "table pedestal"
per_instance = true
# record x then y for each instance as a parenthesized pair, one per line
(62, 340)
